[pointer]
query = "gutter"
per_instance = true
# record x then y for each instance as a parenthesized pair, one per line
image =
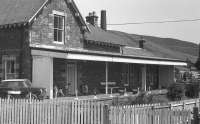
(102, 54)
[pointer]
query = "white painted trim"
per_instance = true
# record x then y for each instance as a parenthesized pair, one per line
(146, 61)
(57, 42)
(76, 56)
(30, 20)
(58, 13)
(89, 57)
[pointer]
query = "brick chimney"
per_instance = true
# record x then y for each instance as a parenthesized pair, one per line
(141, 43)
(92, 18)
(103, 20)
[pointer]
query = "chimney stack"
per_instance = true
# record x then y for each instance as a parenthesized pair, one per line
(92, 18)
(103, 20)
(141, 43)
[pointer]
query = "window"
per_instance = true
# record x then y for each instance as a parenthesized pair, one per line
(152, 77)
(59, 23)
(9, 67)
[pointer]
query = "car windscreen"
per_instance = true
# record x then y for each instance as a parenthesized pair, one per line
(12, 84)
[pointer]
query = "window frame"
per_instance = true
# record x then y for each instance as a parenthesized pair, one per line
(6, 59)
(59, 15)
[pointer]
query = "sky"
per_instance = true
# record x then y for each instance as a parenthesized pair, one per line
(131, 11)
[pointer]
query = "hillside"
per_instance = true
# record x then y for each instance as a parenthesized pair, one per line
(163, 47)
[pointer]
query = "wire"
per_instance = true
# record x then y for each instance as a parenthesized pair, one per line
(158, 22)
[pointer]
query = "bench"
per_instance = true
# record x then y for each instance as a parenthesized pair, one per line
(111, 86)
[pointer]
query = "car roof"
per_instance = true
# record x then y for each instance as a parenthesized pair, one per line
(14, 80)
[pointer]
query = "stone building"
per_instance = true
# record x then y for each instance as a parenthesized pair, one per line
(49, 42)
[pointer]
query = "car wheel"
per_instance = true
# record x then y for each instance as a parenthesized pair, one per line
(31, 96)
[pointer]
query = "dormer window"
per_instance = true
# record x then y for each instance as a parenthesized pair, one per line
(59, 24)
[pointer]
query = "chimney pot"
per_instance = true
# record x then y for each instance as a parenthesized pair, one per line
(141, 43)
(92, 18)
(103, 20)
(94, 13)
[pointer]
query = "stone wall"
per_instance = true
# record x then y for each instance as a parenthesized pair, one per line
(42, 28)
(15, 42)
(26, 57)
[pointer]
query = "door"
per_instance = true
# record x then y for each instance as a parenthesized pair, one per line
(71, 78)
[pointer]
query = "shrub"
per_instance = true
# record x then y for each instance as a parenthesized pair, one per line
(176, 91)
(192, 90)
(145, 98)
(142, 98)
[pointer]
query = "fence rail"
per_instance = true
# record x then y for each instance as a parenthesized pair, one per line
(177, 105)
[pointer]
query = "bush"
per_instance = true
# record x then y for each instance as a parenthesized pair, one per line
(192, 90)
(145, 98)
(176, 91)
(142, 98)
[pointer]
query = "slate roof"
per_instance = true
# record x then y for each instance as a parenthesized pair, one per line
(137, 52)
(99, 35)
(18, 11)
(21, 11)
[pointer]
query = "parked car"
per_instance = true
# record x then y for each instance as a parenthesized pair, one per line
(20, 88)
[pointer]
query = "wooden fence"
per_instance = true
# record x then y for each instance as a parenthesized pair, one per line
(132, 115)
(179, 112)
(51, 112)
(177, 105)
(61, 111)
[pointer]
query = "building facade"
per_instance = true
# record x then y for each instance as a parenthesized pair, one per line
(51, 44)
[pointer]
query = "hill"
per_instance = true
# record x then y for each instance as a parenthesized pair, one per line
(163, 47)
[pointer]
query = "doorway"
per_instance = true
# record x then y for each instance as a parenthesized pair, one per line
(71, 78)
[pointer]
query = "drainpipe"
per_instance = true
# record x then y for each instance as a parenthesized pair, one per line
(106, 77)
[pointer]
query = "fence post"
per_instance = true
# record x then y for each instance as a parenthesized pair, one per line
(106, 114)
(170, 106)
(195, 102)
(153, 114)
(183, 105)
(115, 101)
(195, 115)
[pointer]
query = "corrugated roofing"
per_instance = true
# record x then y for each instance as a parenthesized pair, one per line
(99, 35)
(17, 11)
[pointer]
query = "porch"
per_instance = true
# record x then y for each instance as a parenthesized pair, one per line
(73, 74)
(92, 77)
